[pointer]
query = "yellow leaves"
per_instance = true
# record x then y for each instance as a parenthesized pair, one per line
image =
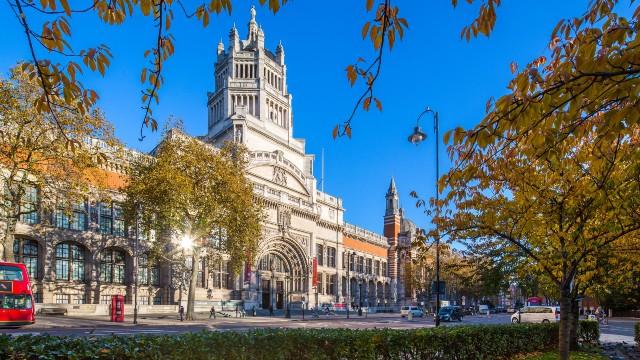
(347, 131)
(484, 22)
(458, 135)
(66, 7)
(145, 7)
(335, 132)
(143, 75)
(352, 75)
(365, 29)
(366, 104)
(378, 103)
(513, 67)
(369, 5)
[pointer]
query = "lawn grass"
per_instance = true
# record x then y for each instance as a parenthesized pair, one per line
(553, 355)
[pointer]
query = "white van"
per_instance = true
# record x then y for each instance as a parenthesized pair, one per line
(414, 310)
(536, 314)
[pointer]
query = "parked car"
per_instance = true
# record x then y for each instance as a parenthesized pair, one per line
(468, 311)
(451, 313)
(414, 310)
(536, 314)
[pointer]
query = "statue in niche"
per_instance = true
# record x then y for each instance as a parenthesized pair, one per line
(238, 134)
(284, 221)
(279, 176)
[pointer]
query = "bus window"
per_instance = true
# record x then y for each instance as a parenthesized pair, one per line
(11, 301)
(10, 273)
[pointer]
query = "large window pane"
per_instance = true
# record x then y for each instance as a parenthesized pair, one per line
(26, 252)
(106, 218)
(112, 266)
(118, 220)
(29, 206)
(70, 262)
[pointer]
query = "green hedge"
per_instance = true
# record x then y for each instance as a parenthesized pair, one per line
(459, 342)
(588, 331)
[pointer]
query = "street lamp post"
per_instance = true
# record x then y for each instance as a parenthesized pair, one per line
(136, 263)
(348, 265)
(287, 313)
(417, 137)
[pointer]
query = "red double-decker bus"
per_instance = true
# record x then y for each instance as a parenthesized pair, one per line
(16, 298)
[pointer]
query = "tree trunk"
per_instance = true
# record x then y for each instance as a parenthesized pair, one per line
(565, 319)
(6, 247)
(573, 330)
(195, 259)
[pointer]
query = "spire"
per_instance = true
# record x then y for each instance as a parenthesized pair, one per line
(280, 53)
(253, 25)
(220, 47)
(393, 207)
(234, 38)
(392, 187)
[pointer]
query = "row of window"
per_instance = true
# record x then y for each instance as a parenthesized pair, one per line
(368, 266)
(326, 256)
(104, 299)
(219, 274)
(109, 217)
(70, 260)
(330, 255)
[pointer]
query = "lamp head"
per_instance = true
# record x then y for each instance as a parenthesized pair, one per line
(186, 242)
(417, 136)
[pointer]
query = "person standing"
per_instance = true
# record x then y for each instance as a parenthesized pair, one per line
(270, 310)
(212, 312)
(181, 312)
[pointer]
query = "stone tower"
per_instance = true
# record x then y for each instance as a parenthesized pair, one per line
(250, 82)
(392, 222)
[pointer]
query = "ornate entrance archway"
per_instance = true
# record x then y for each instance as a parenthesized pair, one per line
(282, 273)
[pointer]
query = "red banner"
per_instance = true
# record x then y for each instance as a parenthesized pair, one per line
(315, 272)
(247, 271)
(247, 268)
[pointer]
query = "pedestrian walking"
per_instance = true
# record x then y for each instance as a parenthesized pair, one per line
(237, 310)
(270, 310)
(253, 310)
(181, 312)
(212, 312)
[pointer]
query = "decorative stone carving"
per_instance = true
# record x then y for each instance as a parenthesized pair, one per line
(279, 176)
(284, 220)
(302, 239)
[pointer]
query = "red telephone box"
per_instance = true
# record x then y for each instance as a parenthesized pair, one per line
(117, 308)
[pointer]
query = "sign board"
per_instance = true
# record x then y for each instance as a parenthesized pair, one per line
(6, 286)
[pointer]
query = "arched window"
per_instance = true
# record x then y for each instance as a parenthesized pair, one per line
(70, 259)
(112, 266)
(26, 252)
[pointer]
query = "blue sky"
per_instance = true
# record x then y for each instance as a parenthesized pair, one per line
(432, 66)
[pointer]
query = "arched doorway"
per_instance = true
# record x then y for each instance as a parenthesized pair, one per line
(282, 274)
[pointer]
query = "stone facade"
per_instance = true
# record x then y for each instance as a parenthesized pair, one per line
(307, 255)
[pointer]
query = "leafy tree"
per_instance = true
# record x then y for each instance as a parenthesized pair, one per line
(191, 189)
(561, 208)
(40, 169)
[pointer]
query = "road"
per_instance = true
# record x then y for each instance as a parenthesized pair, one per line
(618, 329)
